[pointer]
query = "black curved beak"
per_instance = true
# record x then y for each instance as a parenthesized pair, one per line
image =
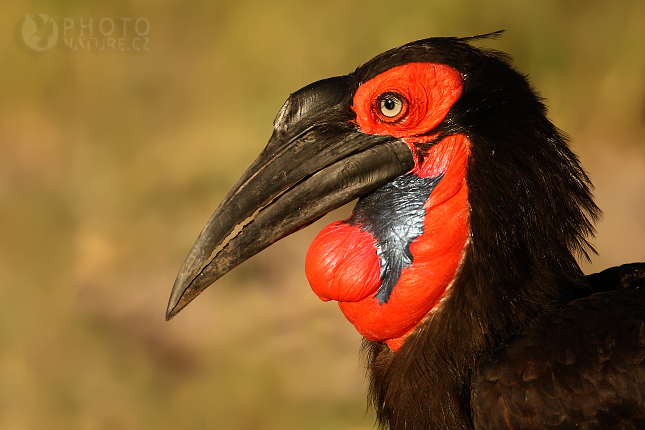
(315, 162)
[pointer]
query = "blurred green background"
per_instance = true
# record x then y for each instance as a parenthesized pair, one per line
(111, 161)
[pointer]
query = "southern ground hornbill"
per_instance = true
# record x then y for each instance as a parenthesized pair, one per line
(458, 263)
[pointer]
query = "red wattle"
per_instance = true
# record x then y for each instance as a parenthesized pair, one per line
(436, 257)
(342, 264)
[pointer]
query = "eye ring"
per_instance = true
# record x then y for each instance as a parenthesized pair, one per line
(390, 107)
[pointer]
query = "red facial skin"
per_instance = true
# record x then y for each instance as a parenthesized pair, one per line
(342, 263)
(429, 89)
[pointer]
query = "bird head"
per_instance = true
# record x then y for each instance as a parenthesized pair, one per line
(458, 173)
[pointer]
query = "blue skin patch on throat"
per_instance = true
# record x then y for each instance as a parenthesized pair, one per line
(394, 215)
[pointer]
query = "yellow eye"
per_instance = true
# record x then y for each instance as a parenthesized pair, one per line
(391, 106)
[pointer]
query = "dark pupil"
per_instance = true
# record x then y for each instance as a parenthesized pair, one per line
(389, 104)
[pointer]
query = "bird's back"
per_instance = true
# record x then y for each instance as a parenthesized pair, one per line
(582, 366)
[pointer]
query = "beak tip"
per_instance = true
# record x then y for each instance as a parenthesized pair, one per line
(181, 296)
(175, 303)
(175, 306)
(170, 312)
(172, 309)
